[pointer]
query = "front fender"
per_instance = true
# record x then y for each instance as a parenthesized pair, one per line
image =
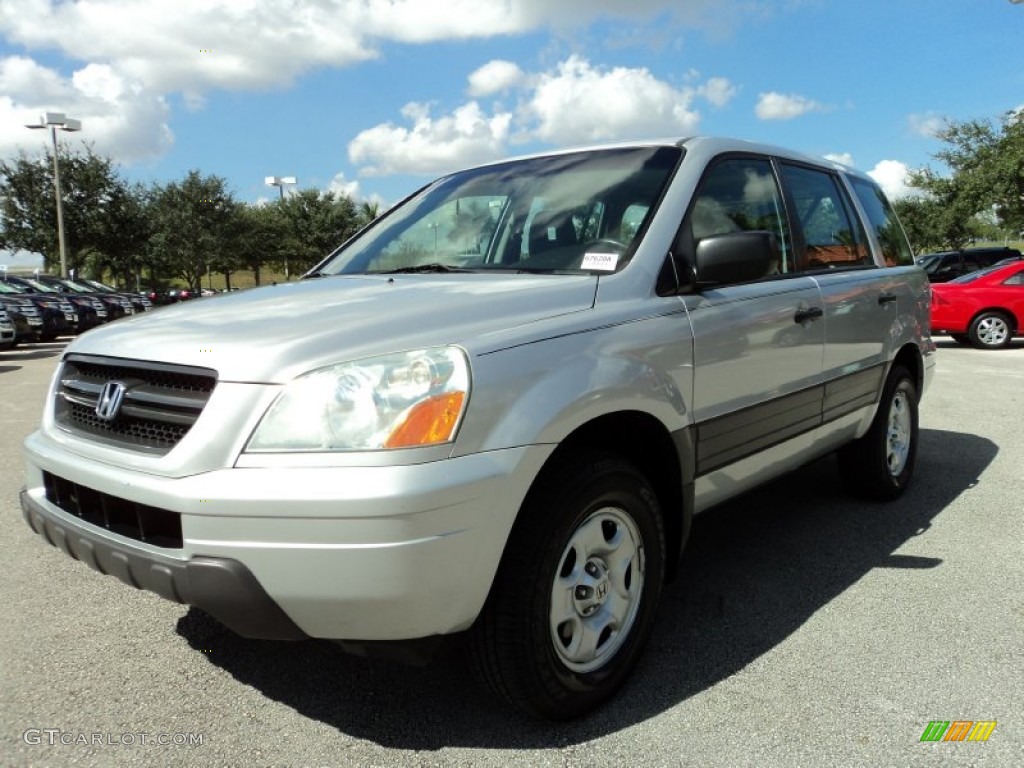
(539, 393)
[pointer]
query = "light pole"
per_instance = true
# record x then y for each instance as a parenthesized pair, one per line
(280, 182)
(53, 121)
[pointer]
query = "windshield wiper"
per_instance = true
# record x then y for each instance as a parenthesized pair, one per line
(432, 267)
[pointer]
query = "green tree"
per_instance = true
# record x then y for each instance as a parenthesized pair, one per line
(104, 217)
(315, 223)
(196, 223)
(983, 174)
(260, 238)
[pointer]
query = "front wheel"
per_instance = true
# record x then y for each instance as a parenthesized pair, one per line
(880, 464)
(990, 330)
(574, 599)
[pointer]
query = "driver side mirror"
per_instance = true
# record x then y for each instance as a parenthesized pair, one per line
(735, 257)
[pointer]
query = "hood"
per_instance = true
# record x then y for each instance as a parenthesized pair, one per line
(275, 333)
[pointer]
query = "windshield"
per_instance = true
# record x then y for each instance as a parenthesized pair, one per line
(38, 286)
(580, 211)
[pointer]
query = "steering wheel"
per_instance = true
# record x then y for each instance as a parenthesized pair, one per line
(608, 241)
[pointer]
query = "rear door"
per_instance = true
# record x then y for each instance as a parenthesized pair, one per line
(831, 246)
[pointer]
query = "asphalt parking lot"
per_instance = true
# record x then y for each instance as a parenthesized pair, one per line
(806, 629)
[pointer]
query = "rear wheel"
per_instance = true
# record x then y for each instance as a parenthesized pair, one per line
(574, 599)
(880, 464)
(990, 330)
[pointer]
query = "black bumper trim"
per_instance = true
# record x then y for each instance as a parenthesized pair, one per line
(222, 587)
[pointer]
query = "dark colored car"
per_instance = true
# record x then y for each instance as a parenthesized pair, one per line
(54, 315)
(140, 302)
(89, 312)
(115, 305)
(25, 316)
(6, 330)
(171, 296)
(948, 265)
(985, 309)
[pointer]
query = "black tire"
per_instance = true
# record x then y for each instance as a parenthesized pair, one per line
(571, 521)
(991, 330)
(959, 338)
(881, 463)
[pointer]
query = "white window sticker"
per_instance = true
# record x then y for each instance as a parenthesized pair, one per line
(606, 262)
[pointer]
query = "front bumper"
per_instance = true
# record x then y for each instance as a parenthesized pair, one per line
(347, 553)
(224, 588)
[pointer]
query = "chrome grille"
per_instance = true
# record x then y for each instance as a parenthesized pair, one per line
(161, 401)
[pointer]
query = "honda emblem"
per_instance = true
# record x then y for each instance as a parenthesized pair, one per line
(109, 403)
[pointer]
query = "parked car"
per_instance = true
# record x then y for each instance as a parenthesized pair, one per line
(518, 387)
(949, 265)
(114, 306)
(25, 317)
(89, 312)
(172, 296)
(6, 329)
(57, 315)
(139, 301)
(984, 308)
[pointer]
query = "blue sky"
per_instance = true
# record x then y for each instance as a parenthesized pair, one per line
(374, 97)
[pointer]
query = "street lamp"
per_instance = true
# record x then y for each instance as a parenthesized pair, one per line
(53, 121)
(280, 182)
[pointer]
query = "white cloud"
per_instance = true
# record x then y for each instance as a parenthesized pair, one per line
(118, 116)
(579, 103)
(783, 106)
(130, 55)
(576, 102)
(573, 103)
(927, 125)
(494, 77)
(844, 158)
(342, 186)
(198, 44)
(891, 175)
(431, 145)
(717, 90)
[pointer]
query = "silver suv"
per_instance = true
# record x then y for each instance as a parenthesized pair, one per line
(519, 386)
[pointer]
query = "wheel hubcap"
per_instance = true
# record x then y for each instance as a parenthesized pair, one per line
(992, 331)
(898, 437)
(597, 589)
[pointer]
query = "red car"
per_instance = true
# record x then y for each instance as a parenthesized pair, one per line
(984, 308)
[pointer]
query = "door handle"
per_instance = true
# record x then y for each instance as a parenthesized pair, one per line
(803, 315)
(887, 298)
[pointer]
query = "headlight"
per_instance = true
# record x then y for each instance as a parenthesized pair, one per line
(395, 401)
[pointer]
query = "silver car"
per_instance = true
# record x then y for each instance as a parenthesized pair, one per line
(519, 386)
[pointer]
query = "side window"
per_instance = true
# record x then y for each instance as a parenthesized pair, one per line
(737, 195)
(895, 248)
(1017, 279)
(833, 236)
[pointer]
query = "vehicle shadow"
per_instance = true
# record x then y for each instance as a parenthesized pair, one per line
(944, 342)
(9, 368)
(756, 570)
(36, 352)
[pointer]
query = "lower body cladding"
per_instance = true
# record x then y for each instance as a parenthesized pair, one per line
(361, 554)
